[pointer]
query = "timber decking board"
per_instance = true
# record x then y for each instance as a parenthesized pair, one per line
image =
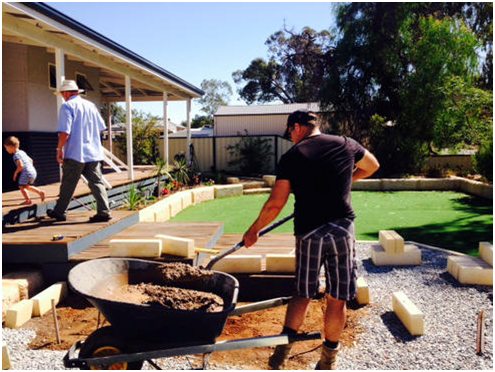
(204, 234)
(11, 200)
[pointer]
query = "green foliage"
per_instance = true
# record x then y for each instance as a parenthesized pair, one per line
(160, 171)
(294, 71)
(483, 160)
(181, 172)
(217, 93)
(145, 138)
(200, 121)
(251, 154)
(135, 198)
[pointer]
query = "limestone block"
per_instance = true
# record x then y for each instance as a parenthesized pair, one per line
(10, 295)
(135, 247)
(30, 282)
(42, 302)
(6, 364)
(470, 270)
(363, 292)
(162, 213)
(391, 241)
(263, 190)
(391, 184)
(408, 313)
(202, 194)
(147, 214)
(225, 191)
(186, 197)
(368, 185)
(232, 180)
(426, 184)
(175, 203)
(411, 256)
(269, 180)
(252, 185)
(239, 264)
(486, 252)
(176, 246)
(282, 263)
(18, 314)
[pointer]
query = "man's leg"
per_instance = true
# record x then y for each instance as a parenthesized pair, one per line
(92, 172)
(294, 318)
(71, 173)
(335, 317)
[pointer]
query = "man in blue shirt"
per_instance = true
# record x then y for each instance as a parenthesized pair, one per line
(80, 152)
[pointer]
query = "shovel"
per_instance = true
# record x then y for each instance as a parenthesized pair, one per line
(241, 243)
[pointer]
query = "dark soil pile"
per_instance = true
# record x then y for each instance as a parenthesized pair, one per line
(169, 297)
(172, 273)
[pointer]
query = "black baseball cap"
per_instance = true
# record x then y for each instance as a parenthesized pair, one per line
(302, 117)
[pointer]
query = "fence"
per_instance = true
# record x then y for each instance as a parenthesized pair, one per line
(211, 153)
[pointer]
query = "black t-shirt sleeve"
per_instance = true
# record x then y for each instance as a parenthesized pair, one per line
(283, 169)
(357, 149)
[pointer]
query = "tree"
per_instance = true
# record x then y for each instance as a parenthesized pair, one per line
(388, 81)
(294, 71)
(117, 113)
(200, 121)
(217, 93)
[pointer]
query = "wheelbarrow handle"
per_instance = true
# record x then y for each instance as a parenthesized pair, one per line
(239, 245)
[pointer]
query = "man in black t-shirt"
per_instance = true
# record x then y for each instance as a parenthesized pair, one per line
(319, 169)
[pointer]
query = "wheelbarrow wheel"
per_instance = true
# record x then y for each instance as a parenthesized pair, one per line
(103, 342)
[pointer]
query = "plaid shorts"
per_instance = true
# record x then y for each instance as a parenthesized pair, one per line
(330, 245)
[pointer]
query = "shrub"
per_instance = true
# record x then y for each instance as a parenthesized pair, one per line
(251, 154)
(483, 159)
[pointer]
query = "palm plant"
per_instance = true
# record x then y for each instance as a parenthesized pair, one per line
(161, 169)
(181, 171)
(134, 198)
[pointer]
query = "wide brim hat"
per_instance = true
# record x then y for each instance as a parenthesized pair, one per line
(69, 86)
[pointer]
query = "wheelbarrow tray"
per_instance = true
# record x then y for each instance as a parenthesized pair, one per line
(95, 278)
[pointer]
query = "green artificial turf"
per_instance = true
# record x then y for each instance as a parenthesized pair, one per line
(444, 219)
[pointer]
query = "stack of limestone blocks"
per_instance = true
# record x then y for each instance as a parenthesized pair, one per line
(472, 270)
(393, 251)
(18, 302)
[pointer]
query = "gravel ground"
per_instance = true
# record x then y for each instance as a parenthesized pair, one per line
(451, 313)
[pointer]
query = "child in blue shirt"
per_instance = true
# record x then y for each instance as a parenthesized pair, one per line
(25, 169)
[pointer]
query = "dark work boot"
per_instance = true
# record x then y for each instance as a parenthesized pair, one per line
(280, 355)
(328, 359)
(59, 217)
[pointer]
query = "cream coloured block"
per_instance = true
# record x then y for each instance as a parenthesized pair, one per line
(239, 264)
(470, 270)
(202, 194)
(391, 241)
(147, 214)
(42, 302)
(186, 197)
(363, 292)
(282, 263)
(162, 214)
(411, 256)
(176, 246)
(6, 364)
(225, 191)
(453, 263)
(486, 252)
(232, 180)
(30, 282)
(409, 314)
(269, 180)
(10, 295)
(175, 204)
(18, 314)
(135, 247)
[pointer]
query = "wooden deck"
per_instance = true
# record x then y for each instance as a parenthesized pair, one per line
(205, 235)
(31, 242)
(12, 200)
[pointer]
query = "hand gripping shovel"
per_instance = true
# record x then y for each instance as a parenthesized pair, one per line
(241, 243)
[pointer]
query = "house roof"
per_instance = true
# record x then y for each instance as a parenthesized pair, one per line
(39, 24)
(266, 109)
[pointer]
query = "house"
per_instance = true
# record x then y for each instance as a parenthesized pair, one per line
(256, 119)
(42, 47)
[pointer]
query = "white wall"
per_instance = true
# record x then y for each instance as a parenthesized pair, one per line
(254, 124)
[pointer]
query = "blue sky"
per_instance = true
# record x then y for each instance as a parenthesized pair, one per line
(196, 41)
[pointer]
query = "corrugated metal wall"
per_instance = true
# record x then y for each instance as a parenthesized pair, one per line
(255, 125)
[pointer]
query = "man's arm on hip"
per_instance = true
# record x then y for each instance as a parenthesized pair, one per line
(365, 167)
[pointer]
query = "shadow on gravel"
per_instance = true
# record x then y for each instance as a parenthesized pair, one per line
(396, 327)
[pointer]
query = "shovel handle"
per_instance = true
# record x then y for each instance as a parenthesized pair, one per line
(239, 245)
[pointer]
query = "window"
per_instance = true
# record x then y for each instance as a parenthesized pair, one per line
(52, 76)
(83, 83)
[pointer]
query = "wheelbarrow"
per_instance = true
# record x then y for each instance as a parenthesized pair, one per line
(141, 332)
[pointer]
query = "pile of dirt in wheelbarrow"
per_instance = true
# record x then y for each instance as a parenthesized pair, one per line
(168, 297)
(175, 286)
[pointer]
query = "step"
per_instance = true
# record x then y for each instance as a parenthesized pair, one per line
(264, 190)
(470, 270)
(391, 241)
(42, 302)
(18, 314)
(486, 252)
(411, 256)
(239, 264)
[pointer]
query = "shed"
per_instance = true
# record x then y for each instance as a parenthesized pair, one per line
(257, 119)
